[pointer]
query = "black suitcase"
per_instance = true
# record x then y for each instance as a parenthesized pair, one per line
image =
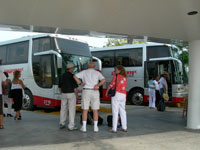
(100, 119)
(90, 119)
(109, 120)
(161, 105)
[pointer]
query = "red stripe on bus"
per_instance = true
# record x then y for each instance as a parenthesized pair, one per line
(43, 101)
(146, 98)
(177, 99)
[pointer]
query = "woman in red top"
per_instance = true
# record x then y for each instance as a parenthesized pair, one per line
(119, 82)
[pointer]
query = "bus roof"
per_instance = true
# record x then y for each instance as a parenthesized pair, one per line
(35, 36)
(129, 46)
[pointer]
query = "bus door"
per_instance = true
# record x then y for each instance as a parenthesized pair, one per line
(155, 68)
(151, 70)
(45, 75)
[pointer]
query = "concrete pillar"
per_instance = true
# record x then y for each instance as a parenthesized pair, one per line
(193, 116)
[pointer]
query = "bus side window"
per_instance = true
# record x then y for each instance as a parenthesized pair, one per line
(42, 70)
(107, 58)
(129, 57)
(17, 53)
(2, 55)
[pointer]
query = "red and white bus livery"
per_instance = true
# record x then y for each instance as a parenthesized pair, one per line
(142, 61)
(42, 59)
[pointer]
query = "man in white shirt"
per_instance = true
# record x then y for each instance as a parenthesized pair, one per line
(163, 83)
(90, 82)
(163, 89)
(2, 81)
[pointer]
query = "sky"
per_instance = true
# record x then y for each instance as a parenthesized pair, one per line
(92, 41)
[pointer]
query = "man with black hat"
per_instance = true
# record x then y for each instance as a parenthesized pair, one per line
(68, 88)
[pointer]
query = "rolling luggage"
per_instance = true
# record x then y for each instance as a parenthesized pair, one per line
(90, 119)
(161, 105)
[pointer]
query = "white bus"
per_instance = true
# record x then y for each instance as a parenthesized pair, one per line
(42, 59)
(142, 61)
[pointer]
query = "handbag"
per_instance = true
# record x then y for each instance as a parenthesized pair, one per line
(112, 92)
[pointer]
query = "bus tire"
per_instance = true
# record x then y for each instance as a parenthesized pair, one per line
(28, 100)
(136, 97)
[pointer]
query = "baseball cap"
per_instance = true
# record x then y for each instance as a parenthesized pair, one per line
(70, 65)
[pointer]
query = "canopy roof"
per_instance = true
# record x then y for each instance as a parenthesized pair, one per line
(164, 19)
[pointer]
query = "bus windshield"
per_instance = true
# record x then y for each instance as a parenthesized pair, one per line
(176, 73)
(179, 77)
(80, 62)
(72, 47)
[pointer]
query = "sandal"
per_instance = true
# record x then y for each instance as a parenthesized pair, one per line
(124, 130)
(113, 131)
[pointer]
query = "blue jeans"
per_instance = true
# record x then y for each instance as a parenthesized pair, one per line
(161, 93)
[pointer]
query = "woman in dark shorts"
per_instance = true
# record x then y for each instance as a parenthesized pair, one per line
(17, 91)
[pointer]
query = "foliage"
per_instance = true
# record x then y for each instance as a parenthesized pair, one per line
(120, 42)
(116, 42)
(184, 55)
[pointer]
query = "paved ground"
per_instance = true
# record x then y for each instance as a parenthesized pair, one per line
(147, 129)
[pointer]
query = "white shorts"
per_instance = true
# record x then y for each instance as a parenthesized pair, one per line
(90, 97)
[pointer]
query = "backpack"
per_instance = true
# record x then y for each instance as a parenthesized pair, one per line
(90, 119)
(109, 120)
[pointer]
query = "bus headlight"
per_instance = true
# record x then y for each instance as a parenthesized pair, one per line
(180, 89)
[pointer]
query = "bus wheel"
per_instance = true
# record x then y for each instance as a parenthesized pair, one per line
(136, 97)
(28, 100)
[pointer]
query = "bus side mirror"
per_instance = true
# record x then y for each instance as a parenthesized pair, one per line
(58, 56)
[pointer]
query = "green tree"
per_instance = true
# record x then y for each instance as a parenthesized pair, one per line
(184, 57)
(120, 42)
(116, 42)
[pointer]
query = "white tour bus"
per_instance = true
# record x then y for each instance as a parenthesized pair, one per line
(142, 61)
(42, 59)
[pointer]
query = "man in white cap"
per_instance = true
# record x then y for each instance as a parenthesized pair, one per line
(163, 87)
(163, 83)
(68, 88)
(90, 95)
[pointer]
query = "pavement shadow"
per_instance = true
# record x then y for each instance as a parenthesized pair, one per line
(43, 128)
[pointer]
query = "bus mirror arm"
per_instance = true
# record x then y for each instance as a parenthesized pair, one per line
(169, 58)
(99, 62)
(51, 52)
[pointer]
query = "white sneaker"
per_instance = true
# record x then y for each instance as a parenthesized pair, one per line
(96, 129)
(82, 129)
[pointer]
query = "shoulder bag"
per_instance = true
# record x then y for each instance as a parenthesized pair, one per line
(112, 92)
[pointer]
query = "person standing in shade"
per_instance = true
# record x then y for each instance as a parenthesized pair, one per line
(90, 94)
(6, 99)
(156, 82)
(163, 84)
(119, 82)
(3, 82)
(68, 88)
(17, 92)
(152, 96)
(163, 89)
